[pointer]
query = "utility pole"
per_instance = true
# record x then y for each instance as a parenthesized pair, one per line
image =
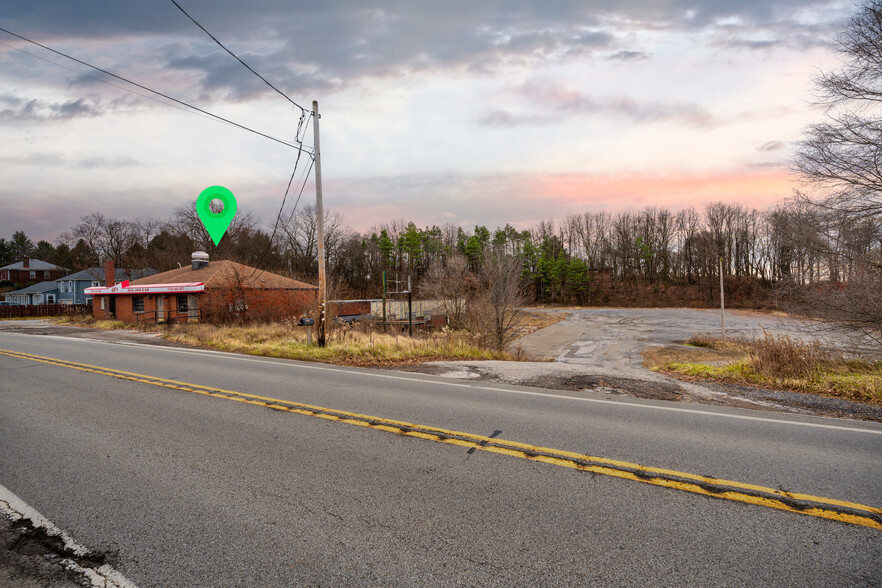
(722, 303)
(384, 301)
(409, 309)
(320, 219)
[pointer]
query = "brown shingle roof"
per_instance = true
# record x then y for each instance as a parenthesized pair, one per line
(223, 274)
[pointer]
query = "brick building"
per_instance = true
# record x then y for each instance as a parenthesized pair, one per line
(31, 271)
(219, 291)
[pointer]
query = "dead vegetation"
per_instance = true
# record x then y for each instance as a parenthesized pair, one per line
(772, 361)
(358, 344)
(345, 345)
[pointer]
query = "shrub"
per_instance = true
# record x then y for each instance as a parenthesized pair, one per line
(783, 356)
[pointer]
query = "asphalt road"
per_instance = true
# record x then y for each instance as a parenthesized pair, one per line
(183, 489)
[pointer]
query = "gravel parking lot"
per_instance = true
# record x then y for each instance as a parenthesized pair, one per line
(599, 350)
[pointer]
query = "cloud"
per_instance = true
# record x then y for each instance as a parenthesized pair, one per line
(525, 199)
(567, 101)
(37, 159)
(41, 110)
(628, 55)
(113, 162)
(306, 45)
(497, 117)
(772, 146)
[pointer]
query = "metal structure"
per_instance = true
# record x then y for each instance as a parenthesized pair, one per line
(396, 289)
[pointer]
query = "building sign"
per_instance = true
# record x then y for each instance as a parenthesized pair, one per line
(125, 288)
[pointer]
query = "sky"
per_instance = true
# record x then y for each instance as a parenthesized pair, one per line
(466, 112)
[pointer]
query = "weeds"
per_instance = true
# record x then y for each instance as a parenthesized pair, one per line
(345, 345)
(775, 361)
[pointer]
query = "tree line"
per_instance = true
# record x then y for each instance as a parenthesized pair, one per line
(581, 259)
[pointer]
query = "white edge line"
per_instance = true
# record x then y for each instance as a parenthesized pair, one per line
(619, 403)
(105, 576)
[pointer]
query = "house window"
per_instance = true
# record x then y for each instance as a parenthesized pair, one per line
(33, 275)
(46, 275)
(95, 284)
(138, 303)
(50, 298)
(182, 304)
(103, 298)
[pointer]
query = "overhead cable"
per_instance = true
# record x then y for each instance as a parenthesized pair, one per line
(236, 57)
(166, 96)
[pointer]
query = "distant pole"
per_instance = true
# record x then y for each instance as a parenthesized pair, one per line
(722, 303)
(320, 220)
(409, 308)
(409, 314)
(384, 301)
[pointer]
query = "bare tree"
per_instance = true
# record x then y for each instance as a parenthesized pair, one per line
(501, 297)
(453, 284)
(300, 238)
(839, 160)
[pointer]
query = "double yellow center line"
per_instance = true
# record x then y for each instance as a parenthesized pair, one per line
(817, 506)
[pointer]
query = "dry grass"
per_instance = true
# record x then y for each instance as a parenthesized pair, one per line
(28, 318)
(80, 320)
(774, 361)
(345, 346)
(531, 321)
(358, 345)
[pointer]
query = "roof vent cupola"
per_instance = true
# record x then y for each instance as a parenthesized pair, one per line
(199, 259)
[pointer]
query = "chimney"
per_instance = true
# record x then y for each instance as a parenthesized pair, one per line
(109, 274)
(26, 263)
(199, 260)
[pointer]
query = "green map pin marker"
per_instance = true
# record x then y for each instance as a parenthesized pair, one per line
(216, 223)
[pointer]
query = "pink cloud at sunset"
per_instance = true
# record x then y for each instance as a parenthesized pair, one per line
(758, 189)
(523, 200)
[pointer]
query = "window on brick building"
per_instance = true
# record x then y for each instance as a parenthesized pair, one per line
(33, 275)
(138, 303)
(46, 275)
(182, 304)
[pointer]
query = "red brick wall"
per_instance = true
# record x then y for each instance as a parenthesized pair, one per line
(214, 304)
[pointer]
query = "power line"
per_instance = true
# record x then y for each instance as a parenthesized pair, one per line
(123, 88)
(262, 259)
(300, 127)
(97, 79)
(303, 127)
(166, 96)
(213, 38)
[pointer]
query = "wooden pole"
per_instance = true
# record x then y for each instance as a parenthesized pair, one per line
(320, 219)
(722, 303)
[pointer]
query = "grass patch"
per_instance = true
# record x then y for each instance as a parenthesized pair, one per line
(29, 318)
(776, 362)
(531, 321)
(357, 345)
(82, 320)
(345, 346)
